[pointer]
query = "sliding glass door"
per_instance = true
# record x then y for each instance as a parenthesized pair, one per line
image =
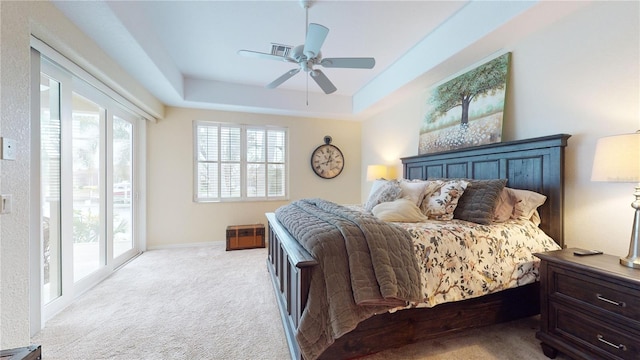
(87, 138)
(50, 164)
(122, 176)
(88, 186)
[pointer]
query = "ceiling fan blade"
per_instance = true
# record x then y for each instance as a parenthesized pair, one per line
(256, 54)
(351, 63)
(286, 76)
(323, 81)
(316, 34)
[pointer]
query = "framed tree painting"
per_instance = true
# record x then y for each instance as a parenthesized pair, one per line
(466, 110)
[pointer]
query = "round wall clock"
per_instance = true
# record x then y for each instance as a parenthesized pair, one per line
(327, 160)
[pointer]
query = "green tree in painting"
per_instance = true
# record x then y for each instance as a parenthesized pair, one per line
(484, 80)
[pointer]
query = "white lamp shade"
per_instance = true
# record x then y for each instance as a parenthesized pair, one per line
(617, 159)
(375, 172)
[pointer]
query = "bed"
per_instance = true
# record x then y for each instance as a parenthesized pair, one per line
(533, 164)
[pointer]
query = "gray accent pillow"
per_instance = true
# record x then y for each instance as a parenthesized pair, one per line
(386, 190)
(478, 202)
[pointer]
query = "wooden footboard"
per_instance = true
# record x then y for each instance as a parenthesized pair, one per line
(289, 265)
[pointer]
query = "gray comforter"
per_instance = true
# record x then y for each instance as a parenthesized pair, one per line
(366, 266)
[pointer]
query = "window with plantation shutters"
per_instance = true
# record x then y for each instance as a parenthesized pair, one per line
(239, 162)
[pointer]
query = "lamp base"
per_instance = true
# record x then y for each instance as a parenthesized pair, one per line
(630, 262)
(633, 258)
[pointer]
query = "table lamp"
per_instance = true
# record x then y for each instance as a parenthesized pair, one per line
(617, 159)
(375, 172)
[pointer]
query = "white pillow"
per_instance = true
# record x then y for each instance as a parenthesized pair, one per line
(506, 203)
(527, 203)
(400, 210)
(518, 204)
(413, 190)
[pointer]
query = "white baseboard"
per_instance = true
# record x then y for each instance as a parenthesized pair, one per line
(187, 245)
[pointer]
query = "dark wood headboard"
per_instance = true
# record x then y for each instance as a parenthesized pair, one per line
(533, 164)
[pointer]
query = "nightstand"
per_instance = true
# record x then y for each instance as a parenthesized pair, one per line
(590, 306)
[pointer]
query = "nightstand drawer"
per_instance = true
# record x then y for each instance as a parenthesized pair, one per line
(589, 306)
(603, 338)
(620, 300)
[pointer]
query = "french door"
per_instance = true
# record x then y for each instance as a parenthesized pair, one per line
(88, 189)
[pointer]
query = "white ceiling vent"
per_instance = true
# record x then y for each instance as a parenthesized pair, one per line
(280, 49)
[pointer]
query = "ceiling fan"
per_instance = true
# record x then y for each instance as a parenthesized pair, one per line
(308, 55)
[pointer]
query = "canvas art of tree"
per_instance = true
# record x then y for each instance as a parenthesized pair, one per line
(466, 110)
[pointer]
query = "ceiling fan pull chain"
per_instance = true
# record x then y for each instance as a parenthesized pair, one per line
(306, 34)
(308, 89)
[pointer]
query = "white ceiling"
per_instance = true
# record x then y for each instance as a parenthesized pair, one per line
(185, 52)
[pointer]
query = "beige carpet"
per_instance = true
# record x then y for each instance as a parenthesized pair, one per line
(207, 303)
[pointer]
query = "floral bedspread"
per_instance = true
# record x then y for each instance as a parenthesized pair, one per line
(460, 260)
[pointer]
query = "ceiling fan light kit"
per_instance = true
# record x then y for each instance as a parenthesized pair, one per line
(309, 55)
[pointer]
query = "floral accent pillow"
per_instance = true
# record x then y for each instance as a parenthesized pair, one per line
(382, 191)
(441, 204)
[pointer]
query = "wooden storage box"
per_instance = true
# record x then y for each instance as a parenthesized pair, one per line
(245, 236)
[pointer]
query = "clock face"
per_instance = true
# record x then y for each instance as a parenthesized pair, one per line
(327, 161)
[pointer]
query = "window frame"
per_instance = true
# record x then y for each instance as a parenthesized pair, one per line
(243, 163)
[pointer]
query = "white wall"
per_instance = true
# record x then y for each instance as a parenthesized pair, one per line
(14, 234)
(18, 21)
(578, 76)
(175, 220)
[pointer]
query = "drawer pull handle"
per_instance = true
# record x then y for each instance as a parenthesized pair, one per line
(618, 347)
(612, 302)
